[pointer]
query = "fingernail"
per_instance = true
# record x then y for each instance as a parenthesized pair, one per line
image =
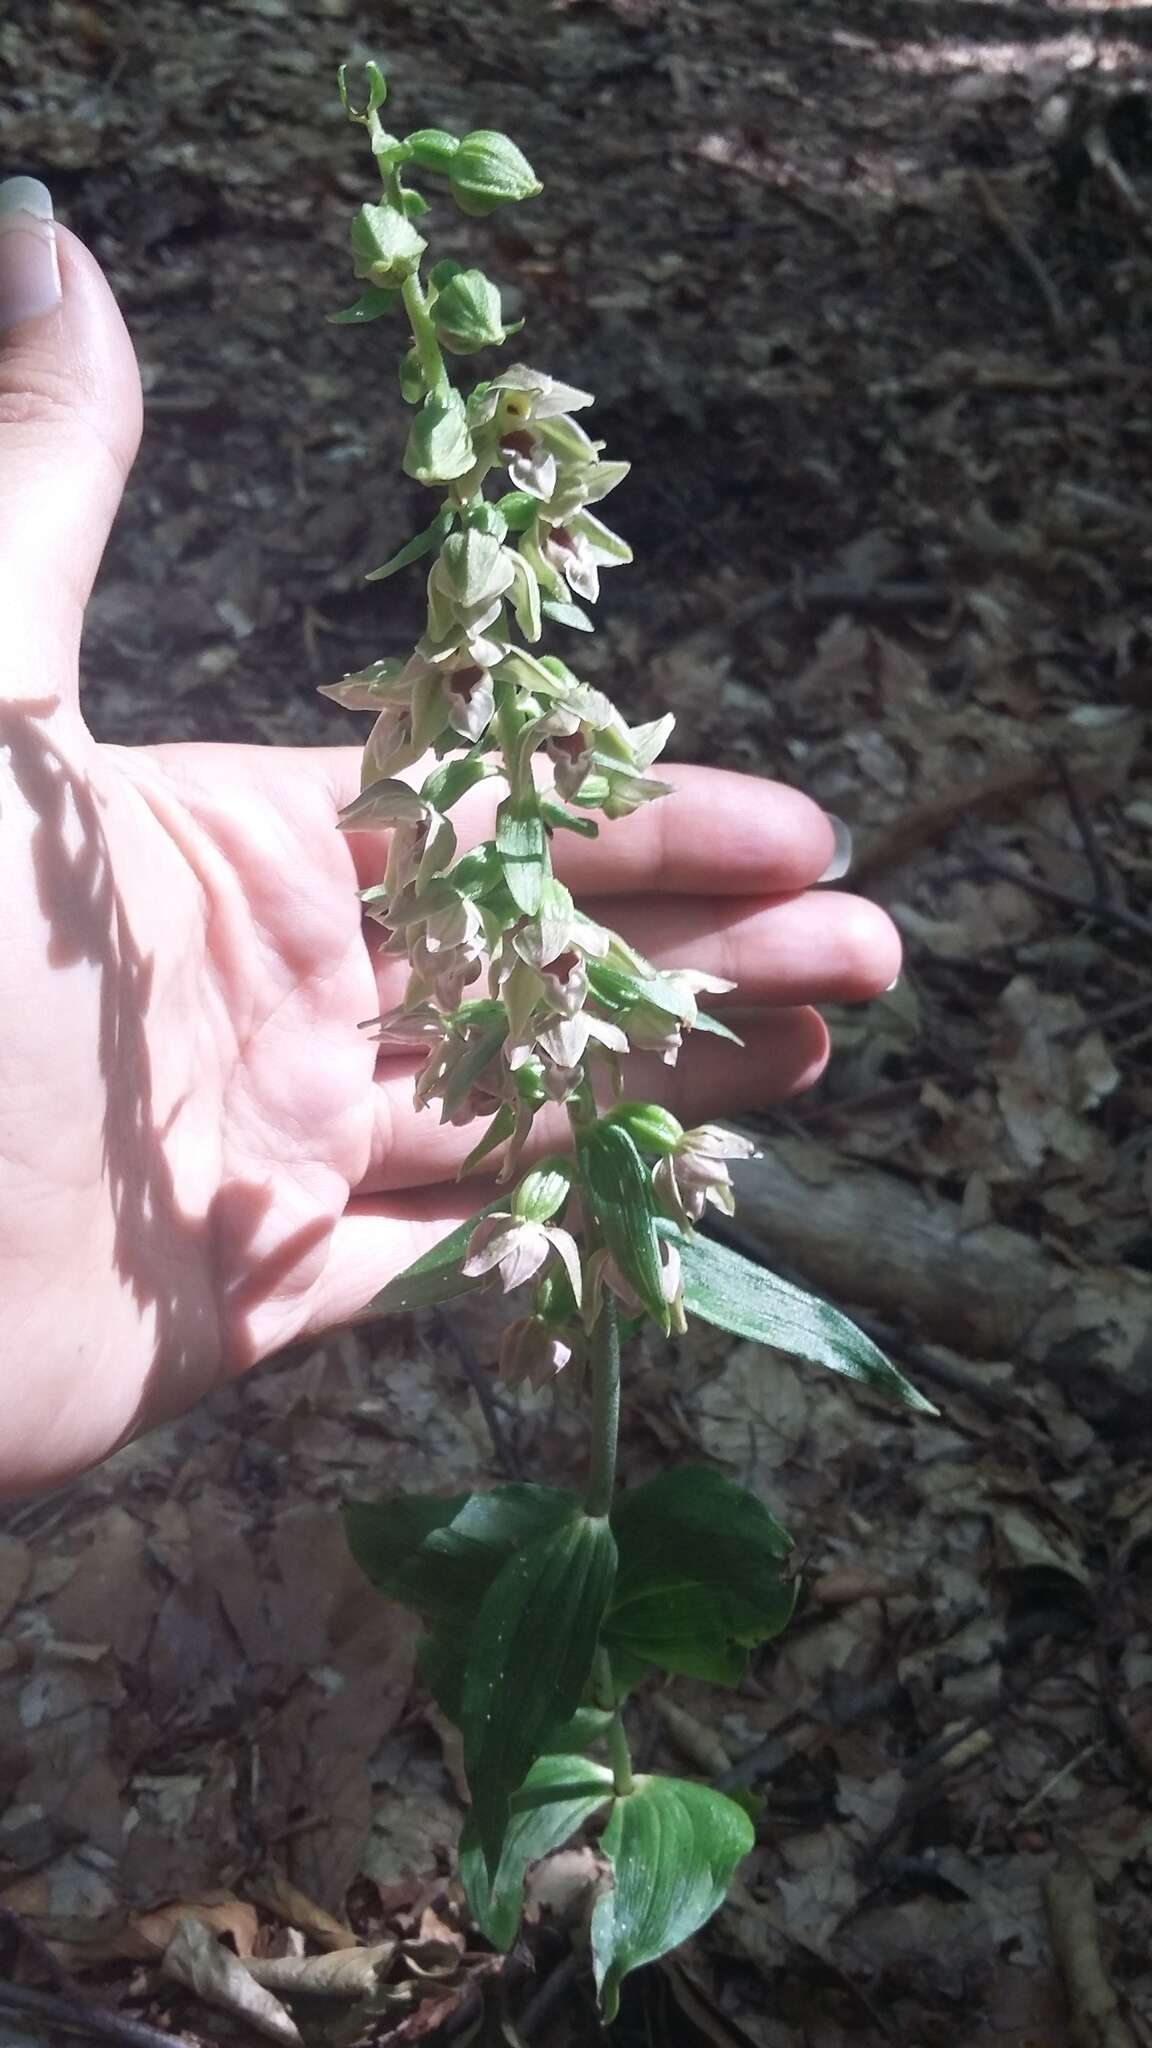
(841, 859)
(29, 271)
(894, 983)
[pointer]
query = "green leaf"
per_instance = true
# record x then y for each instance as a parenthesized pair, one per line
(735, 1294)
(700, 1577)
(533, 1832)
(378, 299)
(713, 1028)
(439, 1556)
(436, 1276)
(523, 848)
(439, 444)
(555, 815)
(421, 544)
(673, 1847)
(377, 90)
(472, 1062)
(533, 1645)
(445, 786)
(562, 614)
(619, 1190)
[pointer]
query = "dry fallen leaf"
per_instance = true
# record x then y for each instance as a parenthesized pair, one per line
(202, 1964)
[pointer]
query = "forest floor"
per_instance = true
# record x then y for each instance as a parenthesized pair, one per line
(879, 345)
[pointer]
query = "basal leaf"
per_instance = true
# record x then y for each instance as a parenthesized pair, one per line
(536, 1830)
(532, 1649)
(673, 1847)
(439, 1557)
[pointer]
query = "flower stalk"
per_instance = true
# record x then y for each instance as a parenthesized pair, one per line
(541, 1609)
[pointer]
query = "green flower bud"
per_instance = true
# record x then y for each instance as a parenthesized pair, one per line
(412, 386)
(543, 1191)
(486, 518)
(467, 313)
(518, 509)
(529, 1084)
(554, 1301)
(651, 1128)
(432, 148)
(439, 444)
(488, 170)
(385, 246)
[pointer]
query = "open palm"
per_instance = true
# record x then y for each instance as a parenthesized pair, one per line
(201, 1158)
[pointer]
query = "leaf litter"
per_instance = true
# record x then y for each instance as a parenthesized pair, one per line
(914, 581)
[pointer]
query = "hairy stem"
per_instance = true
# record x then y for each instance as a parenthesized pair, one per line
(424, 336)
(605, 1351)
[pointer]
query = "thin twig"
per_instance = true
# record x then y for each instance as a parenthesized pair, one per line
(507, 1457)
(1103, 882)
(1024, 253)
(88, 2022)
(1116, 914)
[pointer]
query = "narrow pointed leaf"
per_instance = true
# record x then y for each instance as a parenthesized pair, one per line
(436, 1276)
(377, 300)
(562, 614)
(735, 1294)
(533, 1645)
(673, 1847)
(421, 544)
(542, 1825)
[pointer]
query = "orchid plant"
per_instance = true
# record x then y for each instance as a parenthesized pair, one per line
(544, 1607)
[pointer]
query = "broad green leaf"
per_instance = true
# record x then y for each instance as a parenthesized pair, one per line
(534, 1831)
(619, 1190)
(673, 1847)
(377, 300)
(700, 1577)
(436, 1276)
(421, 544)
(440, 1556)
(532, 1649)
(523, 848)
(735, 1294)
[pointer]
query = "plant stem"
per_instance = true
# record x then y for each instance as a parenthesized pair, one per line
(620, 1756)
(424, 336)
(605, 1349)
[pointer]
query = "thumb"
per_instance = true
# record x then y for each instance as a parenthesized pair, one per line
(69, 425)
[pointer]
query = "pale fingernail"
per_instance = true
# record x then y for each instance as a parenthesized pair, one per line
(841, 859)
(894, 983)
(29, 271)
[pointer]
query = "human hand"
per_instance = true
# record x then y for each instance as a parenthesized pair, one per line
(201, 1158)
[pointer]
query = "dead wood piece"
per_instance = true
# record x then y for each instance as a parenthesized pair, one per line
(1072, 1921)
(1024, 253)
(82, 2021)
(868, 1238)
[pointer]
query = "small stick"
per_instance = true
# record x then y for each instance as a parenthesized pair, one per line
(1072, 1922)
(1102, 881)
(506, 1456)
(1102, 913)
(1024, 253)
